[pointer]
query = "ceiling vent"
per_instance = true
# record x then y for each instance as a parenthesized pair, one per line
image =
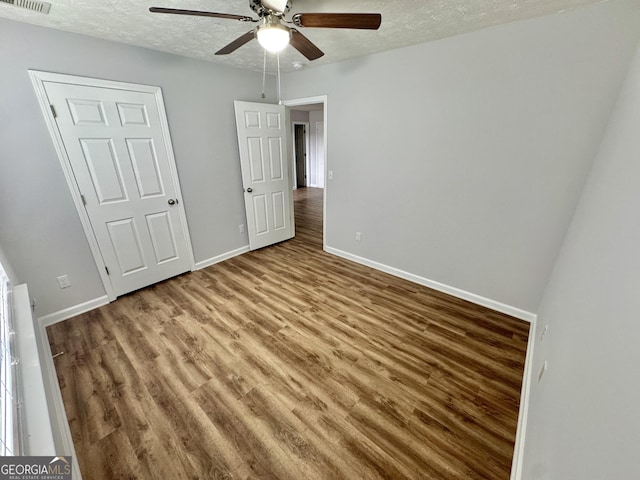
(35, 5)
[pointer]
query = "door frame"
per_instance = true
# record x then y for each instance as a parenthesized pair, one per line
(37, 79)
(306, 146)
(316, 147)
(324, 99)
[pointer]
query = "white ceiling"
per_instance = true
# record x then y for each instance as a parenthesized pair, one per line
(404, 22)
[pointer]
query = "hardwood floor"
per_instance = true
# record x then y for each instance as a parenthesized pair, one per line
(290, 363)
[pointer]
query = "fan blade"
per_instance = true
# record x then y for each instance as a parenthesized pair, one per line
(305, 46)
(199, 13)
(365, 21)
(237, 43)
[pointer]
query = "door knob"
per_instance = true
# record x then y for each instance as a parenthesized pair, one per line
(249, 190)
(172, 201)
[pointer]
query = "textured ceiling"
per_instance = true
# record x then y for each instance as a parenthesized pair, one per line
(404, 22)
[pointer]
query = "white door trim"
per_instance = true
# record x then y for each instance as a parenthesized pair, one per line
(306, 146)
(324, 99)
(38, 78)
(317, 154)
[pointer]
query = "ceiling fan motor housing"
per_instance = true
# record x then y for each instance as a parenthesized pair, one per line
(262, 11)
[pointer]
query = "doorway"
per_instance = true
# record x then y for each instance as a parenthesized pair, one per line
(300, 148)
(312, 112)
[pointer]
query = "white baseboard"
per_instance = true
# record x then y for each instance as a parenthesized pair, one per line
(222, 257)
(525, 392)
(441, 287)
(518, 452)
(57, 414)
(66, 313)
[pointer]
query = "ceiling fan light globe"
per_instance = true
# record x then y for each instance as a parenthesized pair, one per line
(273, 38)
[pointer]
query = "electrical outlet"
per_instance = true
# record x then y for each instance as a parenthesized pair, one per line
(544, 368)
(63, 281)
(358, 236)
(241, 228)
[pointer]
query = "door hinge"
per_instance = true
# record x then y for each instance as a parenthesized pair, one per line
(107, 269)
(84, 200)
(53, 111)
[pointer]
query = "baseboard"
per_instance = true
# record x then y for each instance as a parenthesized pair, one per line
(57, 414)
(441, 287)
(518, 452)
(525, 392)
(66, 313)
(221, 258)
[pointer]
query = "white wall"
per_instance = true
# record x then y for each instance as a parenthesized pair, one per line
(461, 160)
(8, 269)
(299, 116)
(39, 228)
(583, 416)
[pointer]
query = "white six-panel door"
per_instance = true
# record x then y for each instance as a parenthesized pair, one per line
(117, 151)
(264, 160)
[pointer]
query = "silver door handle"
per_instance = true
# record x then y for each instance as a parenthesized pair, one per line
(172, 201)
(249, 190)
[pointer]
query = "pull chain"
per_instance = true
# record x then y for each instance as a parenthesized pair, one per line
(278, 59)
(264, 73)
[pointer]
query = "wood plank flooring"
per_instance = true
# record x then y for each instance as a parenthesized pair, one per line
(290, 363)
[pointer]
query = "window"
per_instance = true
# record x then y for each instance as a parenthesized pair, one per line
(7, 378)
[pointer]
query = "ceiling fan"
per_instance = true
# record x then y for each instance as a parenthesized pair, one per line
(273, 31)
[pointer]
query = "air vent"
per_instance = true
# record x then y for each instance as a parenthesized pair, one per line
(35, 5)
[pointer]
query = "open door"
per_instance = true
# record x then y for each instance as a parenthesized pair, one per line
(264, 160)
